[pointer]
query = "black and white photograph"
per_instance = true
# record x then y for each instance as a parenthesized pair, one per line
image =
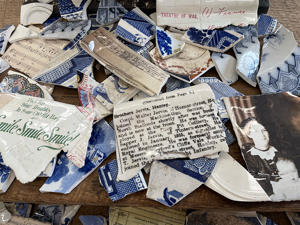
(268, 129)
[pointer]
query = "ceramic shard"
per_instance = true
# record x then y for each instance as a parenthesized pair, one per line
(62, 70)
(95, 220)
(169, 186)
(192, 62)
(49, 213)
(226, 67)
(19, 209)
(72, 11)
(280, 64)
(164, 127)
(5, 34)
(15, 82)
(247, 52)
(32, 56)
(40, 128)
(67, 176)
(3, 65)
(109, 11)
(22, 33)
(267, 129)
(266, 25)
(136, 27)
(205, 14)
(167, 45)
(119, 189)
(105, 95)
(138, 216)
(7, 176)
(220, 91)
(214, 40)
(35, 13)
(233, 181)
(294, 217)
(65, 29)
(124, 62)
(69, 213)
(175, 84)
(143, 51)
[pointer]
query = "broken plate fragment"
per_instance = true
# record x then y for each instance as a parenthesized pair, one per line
(119, 189)
(73, 10)
(109, 11)
(226, 67)
(124, 62)
(166, 44)
(3, 65)
(175, 84)
(247, 52)
(214, 40)
(7, 176)
(62, 70)
(105, 95)
(280, 64)
(266, 25)
(169, 186)
(35, 13)
(15, 82)
(192, 62)
(22, 33)
(5, 34)
(136, 27)
(234, 182)
(65, 30)
(37, 130)
(164, 127)
(141, 50)
(67, 176)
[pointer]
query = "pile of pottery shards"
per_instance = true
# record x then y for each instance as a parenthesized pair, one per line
(167, 119)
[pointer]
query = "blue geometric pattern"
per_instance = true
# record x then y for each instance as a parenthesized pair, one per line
(67, 176)
(215, 39)
(266, 25)
(200, 168)
(109, 11)
(69, 11)
(119, 189)
(284, 78)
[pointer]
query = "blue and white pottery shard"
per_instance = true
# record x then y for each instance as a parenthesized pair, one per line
(92, 220)
(49, 169)
(7, 176)
(280, 64)
(67, 176)
(226, 67)
(136, 27)
(109, 11)
(141, 50)
(5, 34)
(214, 40)
(69, 213)
(220, 91)
(3, 65)
(247, 52)
(175, 84)
(73, 10)
(63, 69)
(19, 209)
(49, 213)
(119, 189)
(168, 185)
(65, 29)
(166, 44)
(266, 25)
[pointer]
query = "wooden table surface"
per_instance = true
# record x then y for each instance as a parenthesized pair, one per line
(89, 192)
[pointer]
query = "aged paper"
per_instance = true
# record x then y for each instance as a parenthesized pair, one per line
(178, 124)
(206, 14)
(34, 130)
(145, 216)
(124, 62)
(32, 56)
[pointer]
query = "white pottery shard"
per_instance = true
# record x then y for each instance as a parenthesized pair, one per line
(35, 13)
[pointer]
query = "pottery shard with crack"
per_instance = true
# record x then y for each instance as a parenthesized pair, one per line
(247, 52)
(65, 30)
(167, 45)
(266, 25)
(214, 40)
(73, 10)
(109, 11)
(192, 61)
(22, 33)
(280, 64)
(5, 33)
(136, 27)
(226, 67)
(35, 13)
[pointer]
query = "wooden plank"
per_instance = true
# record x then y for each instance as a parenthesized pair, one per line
(90, 192)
